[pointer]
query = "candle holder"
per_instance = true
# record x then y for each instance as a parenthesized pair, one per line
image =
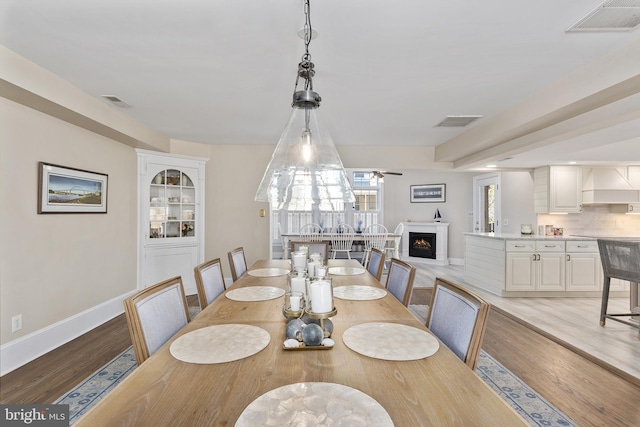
(320, 299)
(294, 305)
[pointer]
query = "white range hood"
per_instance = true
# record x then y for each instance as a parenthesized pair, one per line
(607, 185)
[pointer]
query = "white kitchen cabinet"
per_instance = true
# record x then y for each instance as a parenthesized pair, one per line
(584, 272)
(536, 265)
(171, 217)
(558, 189)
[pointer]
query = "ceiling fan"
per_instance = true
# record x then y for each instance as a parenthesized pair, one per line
(380, 175)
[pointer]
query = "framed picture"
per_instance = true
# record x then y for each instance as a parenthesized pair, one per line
(428, 193)
(68, 190)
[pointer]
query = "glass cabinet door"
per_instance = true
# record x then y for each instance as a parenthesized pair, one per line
(172, 205)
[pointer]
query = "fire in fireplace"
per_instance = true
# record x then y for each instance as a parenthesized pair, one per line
(422, 245)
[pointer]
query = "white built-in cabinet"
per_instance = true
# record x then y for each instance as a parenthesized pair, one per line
(535, 265)
(171, 217)
(584, 271)
(558, 189)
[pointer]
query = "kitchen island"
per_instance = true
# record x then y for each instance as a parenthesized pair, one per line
(508, 264)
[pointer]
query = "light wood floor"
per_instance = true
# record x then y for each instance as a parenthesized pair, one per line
(574, 322)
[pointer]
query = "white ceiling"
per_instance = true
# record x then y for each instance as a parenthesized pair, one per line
(223, 71)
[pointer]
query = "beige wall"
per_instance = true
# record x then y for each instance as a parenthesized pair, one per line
(57, 265)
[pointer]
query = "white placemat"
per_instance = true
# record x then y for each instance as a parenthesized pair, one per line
(358, 292)
(346, 271)
(268, 272)
(255, 293)
(311, 404)
(220, 343)
(390, 341)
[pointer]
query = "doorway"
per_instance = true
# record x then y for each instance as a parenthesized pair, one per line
(486, 203)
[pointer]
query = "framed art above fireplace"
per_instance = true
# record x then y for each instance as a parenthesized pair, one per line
(428, 193)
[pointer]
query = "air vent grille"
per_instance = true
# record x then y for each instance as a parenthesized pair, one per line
(612, 15)
(457, 121)
(116, 101)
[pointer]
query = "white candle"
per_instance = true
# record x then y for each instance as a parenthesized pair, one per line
(321, 272)
(295, 302)
(311, 268)
(299, 260)
(298, 284)
(321, 296)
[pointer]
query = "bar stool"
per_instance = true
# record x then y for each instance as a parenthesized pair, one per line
(620, 260)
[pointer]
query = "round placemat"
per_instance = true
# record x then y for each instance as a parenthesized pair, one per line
(311, 404)
(268, 272)
(346, 271)
(358, 292)
(255, 293)
(390, 341)
(220, 343)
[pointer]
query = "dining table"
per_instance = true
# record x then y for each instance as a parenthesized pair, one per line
(436, 390)
(393, 240)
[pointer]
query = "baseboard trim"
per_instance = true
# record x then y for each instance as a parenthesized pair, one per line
(23, 350)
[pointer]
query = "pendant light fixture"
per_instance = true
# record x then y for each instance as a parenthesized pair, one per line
(305, 170)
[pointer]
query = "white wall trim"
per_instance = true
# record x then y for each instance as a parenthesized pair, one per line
(23, 350)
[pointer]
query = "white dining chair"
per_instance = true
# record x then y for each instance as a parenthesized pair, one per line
(154, 315)
(342, 240)
(392, 249)
(374, 236)
(311, 233)
(458, 317)
(209, 281)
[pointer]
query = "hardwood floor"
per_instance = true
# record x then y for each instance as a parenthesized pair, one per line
(587, 393)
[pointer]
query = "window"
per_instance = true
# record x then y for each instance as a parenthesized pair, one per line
(365, 211)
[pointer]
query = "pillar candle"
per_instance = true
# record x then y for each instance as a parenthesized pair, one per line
(298, 284)
(321, 301)
(299, 260)
(295, 302)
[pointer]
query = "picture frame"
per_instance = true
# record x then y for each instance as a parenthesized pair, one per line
(63, 189)
(428, 193)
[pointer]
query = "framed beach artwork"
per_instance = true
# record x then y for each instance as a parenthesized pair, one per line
(63, 189)
(428, 193)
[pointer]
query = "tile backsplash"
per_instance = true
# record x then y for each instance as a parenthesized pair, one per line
(594, 221)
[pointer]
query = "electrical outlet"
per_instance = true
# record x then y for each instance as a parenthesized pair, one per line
(16, 323)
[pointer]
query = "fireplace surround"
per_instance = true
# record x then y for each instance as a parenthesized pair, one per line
(436, 235)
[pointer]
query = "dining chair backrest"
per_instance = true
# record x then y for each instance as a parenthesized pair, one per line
(620, 259)
(374, 236)
(154, 315)
(321, 248)
(400, 280)
(311, 233)
(209, 280)
(376, 263)
(342, 239)
(458, 317)
(393, 248)
(237, 262)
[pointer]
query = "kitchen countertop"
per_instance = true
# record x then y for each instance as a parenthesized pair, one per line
(518, 236)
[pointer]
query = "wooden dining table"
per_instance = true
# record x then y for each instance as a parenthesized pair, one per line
(439, 390)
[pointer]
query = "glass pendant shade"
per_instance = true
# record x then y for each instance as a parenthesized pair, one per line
(305, 170)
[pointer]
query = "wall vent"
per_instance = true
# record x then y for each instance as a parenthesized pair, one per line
(116, 101)
(457, 121)
(612, 15)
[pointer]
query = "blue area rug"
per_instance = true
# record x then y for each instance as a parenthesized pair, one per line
(531, 406)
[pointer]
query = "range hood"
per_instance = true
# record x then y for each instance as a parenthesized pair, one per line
(606, 186)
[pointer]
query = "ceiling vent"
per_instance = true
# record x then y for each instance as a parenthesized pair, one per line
(457, 121)
(612, 15)
(116, 101)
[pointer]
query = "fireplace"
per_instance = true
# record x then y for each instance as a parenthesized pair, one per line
(434, 234)
(422, 245)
